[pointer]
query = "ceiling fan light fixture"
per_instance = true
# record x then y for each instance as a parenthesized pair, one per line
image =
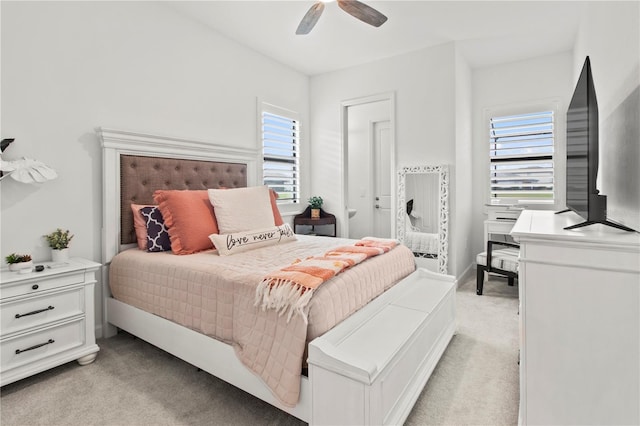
(355, 8)
(361, 11)
(310, 19)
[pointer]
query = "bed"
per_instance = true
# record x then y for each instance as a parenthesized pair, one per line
(216, 336)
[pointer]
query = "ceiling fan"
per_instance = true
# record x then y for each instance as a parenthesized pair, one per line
(354, 8)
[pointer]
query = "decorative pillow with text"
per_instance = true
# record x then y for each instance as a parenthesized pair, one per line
(247, 240)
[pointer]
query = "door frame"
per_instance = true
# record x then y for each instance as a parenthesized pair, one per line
(344, 140)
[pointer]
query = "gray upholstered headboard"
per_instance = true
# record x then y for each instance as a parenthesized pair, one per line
(137, 164)
(141, 176)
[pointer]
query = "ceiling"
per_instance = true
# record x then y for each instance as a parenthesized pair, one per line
(486, 32)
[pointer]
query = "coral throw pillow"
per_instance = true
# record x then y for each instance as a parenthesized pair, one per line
(277, 217)
(140, 225)
(189, 217)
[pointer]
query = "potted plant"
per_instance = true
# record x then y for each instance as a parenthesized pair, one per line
(59, 242)
(315, 203)
(19, 262)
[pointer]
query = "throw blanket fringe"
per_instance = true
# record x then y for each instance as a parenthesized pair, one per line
(289, 290)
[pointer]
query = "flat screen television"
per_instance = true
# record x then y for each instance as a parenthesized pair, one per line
(583, 196)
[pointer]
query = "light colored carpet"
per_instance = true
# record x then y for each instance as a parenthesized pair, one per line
(134, 383)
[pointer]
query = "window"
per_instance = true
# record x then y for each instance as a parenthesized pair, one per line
(281, 153)
(521, 157)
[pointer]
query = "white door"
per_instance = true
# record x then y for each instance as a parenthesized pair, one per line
(369, 168)
(382, 179)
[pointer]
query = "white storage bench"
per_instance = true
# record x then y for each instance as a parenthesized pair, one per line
(378, 361)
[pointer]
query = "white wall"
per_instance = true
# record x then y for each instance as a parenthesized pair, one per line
(424, 83)
(515, 88)
(610, 36)
(462, 203)
(69, 67)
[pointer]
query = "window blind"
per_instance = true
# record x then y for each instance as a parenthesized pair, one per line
(521, 157)
(280, 149)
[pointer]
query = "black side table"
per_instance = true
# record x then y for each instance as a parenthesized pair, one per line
(305, 218)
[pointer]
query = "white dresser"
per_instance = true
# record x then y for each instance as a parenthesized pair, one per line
(47, 318)
(579, 322)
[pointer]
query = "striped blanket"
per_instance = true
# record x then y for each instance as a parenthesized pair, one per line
(289, 290)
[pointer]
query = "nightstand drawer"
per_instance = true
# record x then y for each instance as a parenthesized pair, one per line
(32, 312)
(39, 284)
(31, 347)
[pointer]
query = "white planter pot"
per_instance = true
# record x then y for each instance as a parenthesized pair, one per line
(60, 255)
(22, 267)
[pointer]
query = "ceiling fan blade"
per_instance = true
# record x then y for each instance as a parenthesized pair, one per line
(363, 12)
(310, 18)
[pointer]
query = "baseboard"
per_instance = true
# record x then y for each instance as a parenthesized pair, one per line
(467, 274)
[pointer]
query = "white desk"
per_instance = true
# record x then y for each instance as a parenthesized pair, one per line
(500, 220)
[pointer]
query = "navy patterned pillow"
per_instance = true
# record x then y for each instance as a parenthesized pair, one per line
(157, 235)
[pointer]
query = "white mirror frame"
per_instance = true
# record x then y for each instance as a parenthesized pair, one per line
(443, 208)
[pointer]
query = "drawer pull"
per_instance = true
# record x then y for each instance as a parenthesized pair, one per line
(35, 287)
(48, 308)
(48, 342)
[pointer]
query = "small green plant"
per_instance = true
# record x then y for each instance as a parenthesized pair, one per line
(315, 202)
(59, 239)
(17, 258)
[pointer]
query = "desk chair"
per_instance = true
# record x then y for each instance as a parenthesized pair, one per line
(502, 261)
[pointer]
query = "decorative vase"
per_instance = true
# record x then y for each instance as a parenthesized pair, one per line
(315, 213)
(21, 267)
(61, 255)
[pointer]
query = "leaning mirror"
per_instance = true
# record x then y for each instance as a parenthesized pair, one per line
(423, 214)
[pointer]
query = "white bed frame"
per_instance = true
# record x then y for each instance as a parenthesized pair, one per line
(369, 369)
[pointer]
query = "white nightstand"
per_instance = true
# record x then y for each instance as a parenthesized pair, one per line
(47, 318)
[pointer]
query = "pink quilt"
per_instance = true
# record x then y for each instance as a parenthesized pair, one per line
(215, 295)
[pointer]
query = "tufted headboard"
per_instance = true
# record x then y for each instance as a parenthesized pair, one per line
(135, 165)
(141, 176)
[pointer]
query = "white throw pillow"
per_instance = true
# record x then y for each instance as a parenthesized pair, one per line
(242, 241)
(242, 209)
